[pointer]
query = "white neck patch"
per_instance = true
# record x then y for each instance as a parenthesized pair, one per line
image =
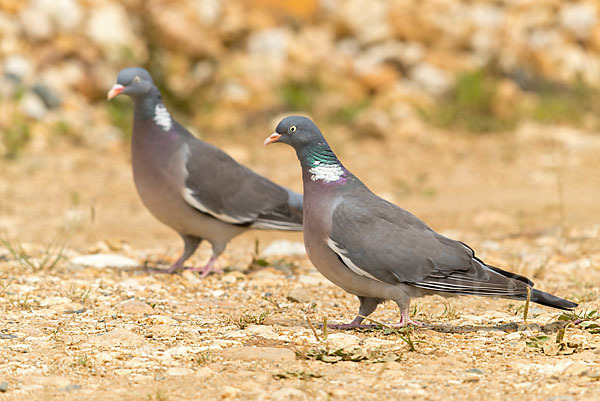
(162, 118)
(326, 172)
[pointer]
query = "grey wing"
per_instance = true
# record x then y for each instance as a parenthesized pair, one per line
(217, 185)
(377, 239)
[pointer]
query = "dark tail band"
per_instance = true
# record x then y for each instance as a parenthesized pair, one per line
(543, 298)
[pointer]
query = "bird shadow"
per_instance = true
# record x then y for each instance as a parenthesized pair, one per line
(550, 327)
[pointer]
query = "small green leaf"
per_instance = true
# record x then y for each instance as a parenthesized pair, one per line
(588, 324)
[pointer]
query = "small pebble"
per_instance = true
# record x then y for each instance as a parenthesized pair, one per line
(70, 387)
(4, 336)
(3, 387)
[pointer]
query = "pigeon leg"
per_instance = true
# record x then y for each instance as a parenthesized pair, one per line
(190, 244)
(218, 249)
(405, 319)
(367, 306)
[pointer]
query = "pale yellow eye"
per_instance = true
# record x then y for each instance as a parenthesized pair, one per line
(293, 129)
(137, 79)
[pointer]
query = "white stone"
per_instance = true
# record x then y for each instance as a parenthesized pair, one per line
(270, 43)
(103, 357)
(208, 11)
(204, 372)
(62, 14)
(513, 336)
(268, 52)
(579, 264)
(117, 337)
(236, 334)
(36, 23)
(132, 284)
(63, 76)
(228, 392)
(368, 20)
(110, 26)
(179, 371)
(366, 61)
(431, 78)
(67, 14)
(372, 343)
(342, 340)
(284, 248)
(181, 350)
(579, 18)
(51, 301)
(101, 261)
(486, 16)
(557, 367)
(32, 106)
(262, 330)
(288, 394)
(17, 66)
(235, 92)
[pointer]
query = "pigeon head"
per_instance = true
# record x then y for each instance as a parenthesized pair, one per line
(135, 82)
(316, 157)
(298, 132)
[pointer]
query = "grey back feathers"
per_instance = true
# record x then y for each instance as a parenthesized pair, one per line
(218, 185)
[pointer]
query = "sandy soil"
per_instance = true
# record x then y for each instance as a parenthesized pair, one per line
(526, 201)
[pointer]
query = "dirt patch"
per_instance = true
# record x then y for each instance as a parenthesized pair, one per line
(524, 202)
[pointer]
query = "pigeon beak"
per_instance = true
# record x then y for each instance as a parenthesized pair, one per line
(115, 90)
(273, 138)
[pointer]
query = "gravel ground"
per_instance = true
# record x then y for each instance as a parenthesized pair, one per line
(101, 333)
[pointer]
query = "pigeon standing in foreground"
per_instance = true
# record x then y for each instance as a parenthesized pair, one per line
(192, 186)
(378, 251)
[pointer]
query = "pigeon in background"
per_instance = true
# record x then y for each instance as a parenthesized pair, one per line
(193, 187)
(378, 251)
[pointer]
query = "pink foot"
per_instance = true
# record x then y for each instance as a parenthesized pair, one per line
(205, 270)
(405, 319)
(408, 323)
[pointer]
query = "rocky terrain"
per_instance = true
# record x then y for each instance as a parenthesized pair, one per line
(373, 65)
(81, 317)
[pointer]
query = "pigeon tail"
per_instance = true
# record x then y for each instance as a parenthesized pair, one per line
(296, 201)
(287, 218)
(543, 298)
(508, 274)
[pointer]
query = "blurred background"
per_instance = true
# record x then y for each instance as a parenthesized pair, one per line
(479, 116)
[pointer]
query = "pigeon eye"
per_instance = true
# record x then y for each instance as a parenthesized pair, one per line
(136, 79)
(293, 129)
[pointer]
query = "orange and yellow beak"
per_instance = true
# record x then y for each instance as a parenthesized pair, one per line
(114, 91)
(273, 138)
